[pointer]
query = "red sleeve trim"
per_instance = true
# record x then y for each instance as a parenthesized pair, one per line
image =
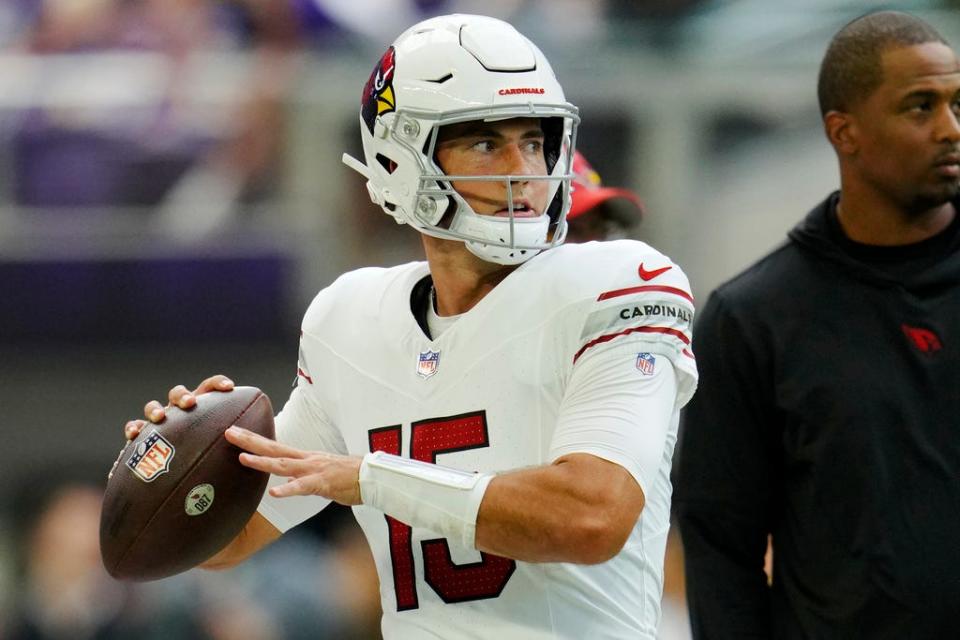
(302, 373)
(647, 287)
(676, 333)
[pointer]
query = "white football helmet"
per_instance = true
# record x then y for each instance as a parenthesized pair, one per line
(452, 69)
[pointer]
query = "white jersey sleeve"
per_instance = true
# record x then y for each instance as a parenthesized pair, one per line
(648, 301)
(616, 413)
(303, 424)
(299, 425)
(633, 367)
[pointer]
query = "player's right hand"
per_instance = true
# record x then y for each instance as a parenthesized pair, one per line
(178, 396)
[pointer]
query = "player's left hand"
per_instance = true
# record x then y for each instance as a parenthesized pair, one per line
(311, 472)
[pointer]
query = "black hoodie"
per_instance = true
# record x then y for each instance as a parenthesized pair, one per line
(828, 414)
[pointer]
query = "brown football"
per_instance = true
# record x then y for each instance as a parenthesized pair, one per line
(177, 494)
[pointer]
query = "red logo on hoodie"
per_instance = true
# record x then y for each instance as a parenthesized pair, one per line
(923, 339)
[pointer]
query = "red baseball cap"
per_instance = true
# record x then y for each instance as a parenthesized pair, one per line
(589, 192)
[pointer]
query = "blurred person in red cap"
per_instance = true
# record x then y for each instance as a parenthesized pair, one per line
(598, 212)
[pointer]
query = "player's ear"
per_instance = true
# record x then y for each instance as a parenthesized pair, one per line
(841, 129)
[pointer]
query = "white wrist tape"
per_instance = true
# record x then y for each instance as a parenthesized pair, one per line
(425, 495)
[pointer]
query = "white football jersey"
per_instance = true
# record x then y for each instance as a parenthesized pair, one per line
(559, 358)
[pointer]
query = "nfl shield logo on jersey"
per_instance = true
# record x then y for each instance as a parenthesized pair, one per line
(645, 363)
(427, 363)
(152, 457)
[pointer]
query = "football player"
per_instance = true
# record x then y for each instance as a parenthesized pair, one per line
(500, 417)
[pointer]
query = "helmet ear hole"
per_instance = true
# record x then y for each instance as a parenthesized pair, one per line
(447, 218)
(386, 163)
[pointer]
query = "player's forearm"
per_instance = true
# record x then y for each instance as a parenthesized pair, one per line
(580, 509)
(256, 534)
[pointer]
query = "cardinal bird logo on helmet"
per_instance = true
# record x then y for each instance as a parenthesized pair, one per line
(378, 92)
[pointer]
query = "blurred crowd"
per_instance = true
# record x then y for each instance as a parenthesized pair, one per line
(319, 583)
(151, 142)
(154, 149)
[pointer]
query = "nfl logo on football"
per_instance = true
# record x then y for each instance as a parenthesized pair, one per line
(645, 363)
(427, 363)
(152, 457)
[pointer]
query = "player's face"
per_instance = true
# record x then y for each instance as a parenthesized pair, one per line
(506, 147)
(907, 130)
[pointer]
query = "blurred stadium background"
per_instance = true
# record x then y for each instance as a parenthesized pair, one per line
(171, 198)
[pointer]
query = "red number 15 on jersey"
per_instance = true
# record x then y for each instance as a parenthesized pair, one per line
(452, 582)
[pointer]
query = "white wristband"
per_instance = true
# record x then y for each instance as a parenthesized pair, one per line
(425, 495)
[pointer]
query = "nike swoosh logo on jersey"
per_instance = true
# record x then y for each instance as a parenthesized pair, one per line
(650, 275)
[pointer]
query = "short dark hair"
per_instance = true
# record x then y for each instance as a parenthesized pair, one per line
(851, 68)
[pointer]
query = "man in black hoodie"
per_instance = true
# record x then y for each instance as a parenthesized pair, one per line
(828, 414)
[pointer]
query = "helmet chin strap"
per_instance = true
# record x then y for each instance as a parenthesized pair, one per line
(500, 255)
(527, 232)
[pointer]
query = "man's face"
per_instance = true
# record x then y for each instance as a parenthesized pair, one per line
(505, 147)
(907, 134)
